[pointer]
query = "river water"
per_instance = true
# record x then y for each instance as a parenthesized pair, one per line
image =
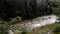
(39, 21)
(42, 21)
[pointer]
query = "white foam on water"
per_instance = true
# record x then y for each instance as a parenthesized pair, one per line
(50, 19)
(11, 32)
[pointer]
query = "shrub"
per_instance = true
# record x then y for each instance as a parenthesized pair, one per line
(3, 27)
(16, 19)
(56, 10)
(57, 30)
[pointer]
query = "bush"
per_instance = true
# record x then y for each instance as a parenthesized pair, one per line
(16, 19)
(57, 30)
(3, 27)
(56, 10)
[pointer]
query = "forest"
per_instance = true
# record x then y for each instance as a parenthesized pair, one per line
(26, 9)
(13, 11)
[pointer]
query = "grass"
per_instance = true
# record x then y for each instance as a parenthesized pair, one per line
(43, 29)
(48, 27)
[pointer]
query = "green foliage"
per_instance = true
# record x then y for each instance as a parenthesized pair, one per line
(50, 27)
(16, 19)
(24, 32)
(56, 10)
(22, 28)
(19, 30)
(57, 31)
(3, 27)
